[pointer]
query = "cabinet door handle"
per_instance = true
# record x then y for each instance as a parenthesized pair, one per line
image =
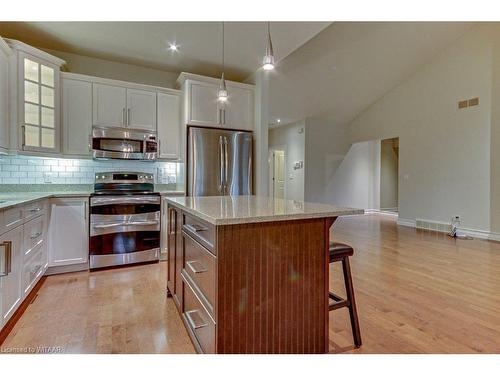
(7, 245)
(123, 116)
(195, 227)
(23, 136)
(90, 142)
(196, 266)
(195, 319)
(128, 117)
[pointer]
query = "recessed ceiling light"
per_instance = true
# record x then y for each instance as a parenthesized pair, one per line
(173, 47)
(278, 120)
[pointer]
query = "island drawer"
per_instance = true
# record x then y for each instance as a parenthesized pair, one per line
(34, 209)
(198, 320)
(201, 231)
(199, 266)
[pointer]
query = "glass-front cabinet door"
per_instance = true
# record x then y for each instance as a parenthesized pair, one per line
(39, 99)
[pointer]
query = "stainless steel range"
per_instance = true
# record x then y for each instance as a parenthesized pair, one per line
(124, 219)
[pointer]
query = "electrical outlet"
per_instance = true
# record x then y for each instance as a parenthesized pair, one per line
(47, 178)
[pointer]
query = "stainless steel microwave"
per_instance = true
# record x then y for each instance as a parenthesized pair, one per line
(122, 143)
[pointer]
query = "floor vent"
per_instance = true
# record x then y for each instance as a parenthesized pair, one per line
(433, 225)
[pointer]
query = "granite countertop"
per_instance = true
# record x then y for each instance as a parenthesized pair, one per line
(254, 209)
(12, 199)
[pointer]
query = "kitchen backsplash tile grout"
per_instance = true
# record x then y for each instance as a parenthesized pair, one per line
(20, 169)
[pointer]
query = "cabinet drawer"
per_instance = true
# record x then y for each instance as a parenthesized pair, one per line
(198, 320)
(199, 267)
(34, 234)
(12, 218)
(33, 209)
(34, 268)
(201, 231)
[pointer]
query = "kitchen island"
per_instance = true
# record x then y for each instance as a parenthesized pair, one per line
(249, 274)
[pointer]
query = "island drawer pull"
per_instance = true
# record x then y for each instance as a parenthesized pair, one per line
(195, 319)
(7, 245)
(196, 269)
(195, 227)
(33, 210)
(36, 235)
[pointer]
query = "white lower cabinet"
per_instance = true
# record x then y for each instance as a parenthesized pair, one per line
(68, 231)
(10, 284)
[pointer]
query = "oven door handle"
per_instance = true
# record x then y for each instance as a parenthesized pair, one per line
(111, 225)
(103, 201)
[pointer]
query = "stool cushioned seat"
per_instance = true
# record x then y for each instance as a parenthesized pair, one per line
(339, 250)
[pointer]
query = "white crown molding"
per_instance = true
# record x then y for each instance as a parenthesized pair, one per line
(115, 82)
(196, 77)
(26, 48)
(4, 47)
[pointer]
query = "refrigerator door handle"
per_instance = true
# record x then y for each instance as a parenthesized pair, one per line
(225, 165)
(221, 151)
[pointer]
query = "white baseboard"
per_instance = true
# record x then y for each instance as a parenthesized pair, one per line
(371, 211)
(475, 233)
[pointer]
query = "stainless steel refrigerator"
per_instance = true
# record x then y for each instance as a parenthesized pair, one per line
(219, 162)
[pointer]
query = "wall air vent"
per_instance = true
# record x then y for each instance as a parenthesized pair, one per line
(433, 225)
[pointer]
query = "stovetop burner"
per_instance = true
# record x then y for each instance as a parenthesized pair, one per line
(123, 183)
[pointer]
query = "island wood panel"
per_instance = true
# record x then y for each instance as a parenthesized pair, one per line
(273, 287)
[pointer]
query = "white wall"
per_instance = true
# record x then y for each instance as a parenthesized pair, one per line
(115, 70)
(326, 147)
(291, 139)
(356, 182)
(388, 174)
(444, 155)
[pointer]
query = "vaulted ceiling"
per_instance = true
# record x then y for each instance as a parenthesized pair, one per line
(349, 65)
(146, 43)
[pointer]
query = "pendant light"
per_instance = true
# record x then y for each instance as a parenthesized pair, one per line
(222, 93)
(268, 61)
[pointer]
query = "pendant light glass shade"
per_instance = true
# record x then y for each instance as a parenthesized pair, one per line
(222, 92)
(268, 61)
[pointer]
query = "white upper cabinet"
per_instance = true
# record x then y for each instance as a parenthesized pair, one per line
(169, 125)
(118, 106)
(110, 105)
(76, 116)
(5, 52)
(201, 107)
(38, 94)
(239, 109)
(141, 109)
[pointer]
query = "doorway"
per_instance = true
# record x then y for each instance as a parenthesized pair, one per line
(277, 174)
(389, 175)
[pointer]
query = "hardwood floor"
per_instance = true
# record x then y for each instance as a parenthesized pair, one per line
(417, 292)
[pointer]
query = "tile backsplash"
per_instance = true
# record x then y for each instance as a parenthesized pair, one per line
(41, 170)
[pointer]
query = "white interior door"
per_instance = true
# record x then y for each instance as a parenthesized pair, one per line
(141, 109)
(109, 107)
(279, 174)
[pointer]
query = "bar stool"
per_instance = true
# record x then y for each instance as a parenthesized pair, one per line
(340, 252)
